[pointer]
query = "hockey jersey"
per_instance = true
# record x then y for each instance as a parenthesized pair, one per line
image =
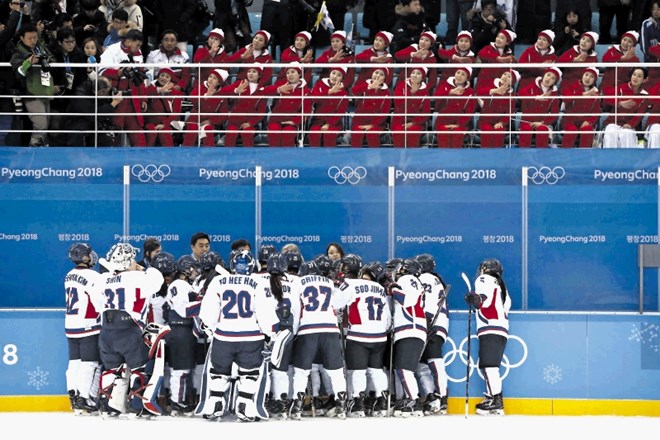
(493, 316)
(408, 303)
(319, 303)
(82, 317)
(433, 292)
(369, 314)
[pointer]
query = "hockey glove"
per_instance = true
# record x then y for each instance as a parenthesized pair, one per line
(473, 299)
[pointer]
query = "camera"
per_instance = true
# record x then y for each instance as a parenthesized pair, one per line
(135, 75)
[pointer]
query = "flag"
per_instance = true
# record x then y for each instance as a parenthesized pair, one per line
(323, 19)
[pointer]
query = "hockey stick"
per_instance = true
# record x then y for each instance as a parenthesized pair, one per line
(469, 336)
(429, 331)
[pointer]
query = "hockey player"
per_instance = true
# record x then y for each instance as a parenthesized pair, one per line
(82, 325)
(369, 320)
(238, 311)
(128, 290)
(493, 303)
(437, 317)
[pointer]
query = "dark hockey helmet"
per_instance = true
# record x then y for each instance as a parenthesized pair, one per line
(374, 269)
(265, 251)
(294, 259)
(324, 264)
(409, 267)
(242, 262)
(427, 262)
(188, 266)
(277, 264)
(309, 268)
(492, 267)
(351, 265)
(392, 264)
(81, 253)
(209, 260)
(165, 263)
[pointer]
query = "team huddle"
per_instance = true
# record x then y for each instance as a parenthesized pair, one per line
(271, 336)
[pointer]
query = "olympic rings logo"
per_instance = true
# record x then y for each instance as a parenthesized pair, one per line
(545, 174)
(460, 353)
(347, 174)
(151, 172)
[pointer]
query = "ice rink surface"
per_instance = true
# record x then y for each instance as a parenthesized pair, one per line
(433, 427)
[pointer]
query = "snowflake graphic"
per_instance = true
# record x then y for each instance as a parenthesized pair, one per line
(647, 334)
(38, 378)
(552, 374)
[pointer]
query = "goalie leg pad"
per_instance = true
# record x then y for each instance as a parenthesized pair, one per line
(217, 401)
(112, 395)
(246, 409)
(156, 381)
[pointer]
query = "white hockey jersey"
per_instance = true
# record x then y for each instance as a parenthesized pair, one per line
(131, 291)
(493, 316)
(369, 314)
(82, 318)
(320, 303)
(238, 308)
(433, 290)
(178, 297)
(408, 300)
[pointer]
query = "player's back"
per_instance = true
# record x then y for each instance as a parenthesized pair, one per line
(319, 304)
(369, 315)
(82, 316)
(131, 291)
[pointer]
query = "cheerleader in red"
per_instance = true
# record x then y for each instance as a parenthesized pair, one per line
(585, 52)
(372, 108)
(629, 102)
(497, 107)
(581, 110)
(498, 52)
(460, 53)
(209, 111)
(541, 52)
(163, 107)
(338, 53)
(213, 52)
(620, 53)
(540, 108)
(255, 52)
(377, 54)
(421, 52)
(300, 51)
(455, 105)
(291, 104)
(248, 108)
(330, 100)
(412, 109)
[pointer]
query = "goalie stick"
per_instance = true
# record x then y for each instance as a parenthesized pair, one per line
(469, 338)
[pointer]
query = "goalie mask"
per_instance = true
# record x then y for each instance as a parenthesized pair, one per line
(122, 255)
(491, 267)
(82, 253)
(164, 263)
(242, 262)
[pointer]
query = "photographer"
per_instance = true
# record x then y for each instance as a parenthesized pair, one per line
(130, 80)
(31, 65)
(486, 24)
(95, 110)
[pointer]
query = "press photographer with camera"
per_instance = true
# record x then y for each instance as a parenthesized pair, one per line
(486, 24)
(31, 65)
(130, 80)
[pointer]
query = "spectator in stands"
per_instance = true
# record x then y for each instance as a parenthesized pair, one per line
(300, 51)
(373, 104)
(498, 106)
(232, 17)
(421, 52)
(608, 9)
(455, 105)
(412, 109)
(176, 15)
(640, 11)
(378, 15)
(330, 101)
(533, 17)
(168, 53)
(498, 52)
(277, 17)
(89, 22)
(17, 16)
(163, 107)
(653, 122)
(582, 104)
(209, 111)
(92, 50)
(539, 105)
(486, 25)
(213, 52)
(457, 10)
(378, 53)
(31, 65)
(460, 53)
(583, 52)
(629, 102)
(620, 53)
(409, 25)
(432, 10)
(581, 7)
(650, 41)
(255, 52)
(248, 108)
(568, 29)
(291, 103)
(541, 52)
(117, 28)
(338, 53)
(94, 112)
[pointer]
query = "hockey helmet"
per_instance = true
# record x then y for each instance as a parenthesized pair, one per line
(351, 265)
(374, 269)
(294, 259)
(209, 260)
(427, 262)
(81, 253)
(492, 267)
(165, 263)
(189, 266)
(409, 267)
(242, 262)
(265, 251)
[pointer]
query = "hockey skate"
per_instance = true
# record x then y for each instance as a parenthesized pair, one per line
(181, 409)
(314, 407)
(433, 405)
(356, 407)
(339, 410)
(85, 407)
(369, 404)
(380, 408)
(491, 406)
(407, 407)
(295, 412)
(279, 409)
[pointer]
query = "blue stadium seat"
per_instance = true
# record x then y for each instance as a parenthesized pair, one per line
(255, 21)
